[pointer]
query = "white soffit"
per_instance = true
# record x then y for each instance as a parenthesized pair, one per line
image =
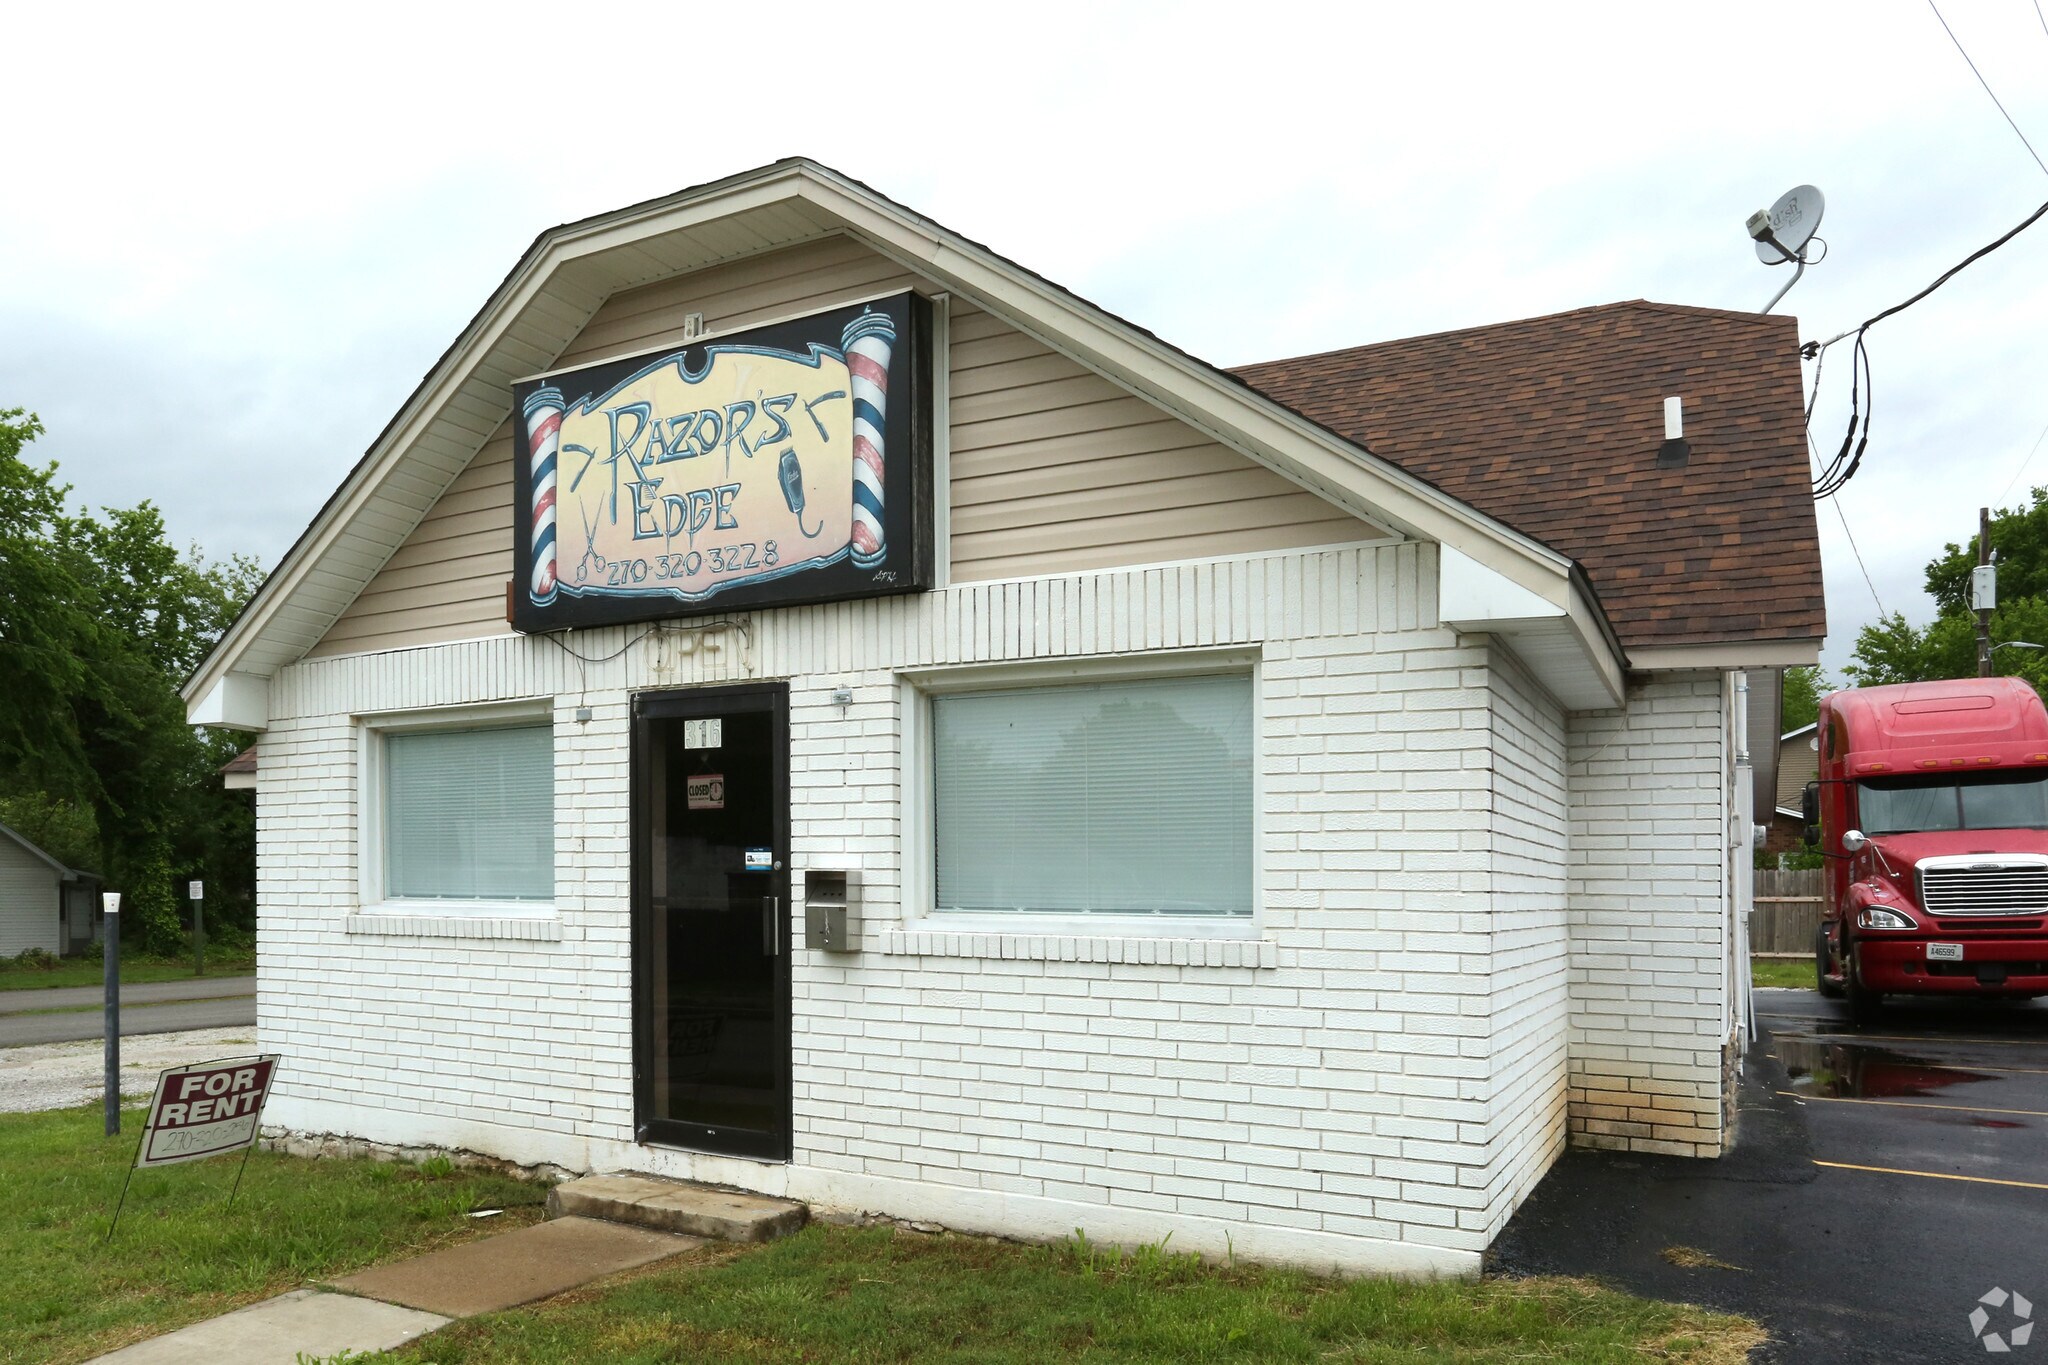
(233, 701)
(571, 270)
(1561, 642)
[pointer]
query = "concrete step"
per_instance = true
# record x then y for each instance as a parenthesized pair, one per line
(677, 1206)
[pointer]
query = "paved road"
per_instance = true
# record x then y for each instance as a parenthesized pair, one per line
(150, 993)
(1884, 1179)
(224, 1012)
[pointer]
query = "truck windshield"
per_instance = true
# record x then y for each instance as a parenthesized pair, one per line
(1989, 801)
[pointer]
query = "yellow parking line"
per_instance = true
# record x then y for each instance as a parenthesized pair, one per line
(1913, 1104)
(1930, 1175)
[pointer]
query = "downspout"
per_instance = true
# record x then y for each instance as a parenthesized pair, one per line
(1745, 858)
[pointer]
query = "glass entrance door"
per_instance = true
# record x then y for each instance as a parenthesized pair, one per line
(710, 919)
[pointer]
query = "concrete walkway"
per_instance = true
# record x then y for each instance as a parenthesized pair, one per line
(145, 993)
(387, 1306)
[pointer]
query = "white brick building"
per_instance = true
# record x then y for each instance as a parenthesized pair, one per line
(1460, 859)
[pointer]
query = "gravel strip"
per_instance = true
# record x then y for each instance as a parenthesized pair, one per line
(59, 1075)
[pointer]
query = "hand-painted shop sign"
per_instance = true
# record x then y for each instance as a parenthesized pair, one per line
(205, 1109)
(786, 464)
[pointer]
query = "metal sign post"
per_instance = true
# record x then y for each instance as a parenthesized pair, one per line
(111, 1024)
(197, 890)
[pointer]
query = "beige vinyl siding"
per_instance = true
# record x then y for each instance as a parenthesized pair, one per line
(1053, 467)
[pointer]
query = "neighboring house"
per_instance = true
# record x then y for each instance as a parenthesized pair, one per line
(1037, 780)
(44, 905)
(239, 772)
(1798, 764)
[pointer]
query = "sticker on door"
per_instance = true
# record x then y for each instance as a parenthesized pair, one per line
(705, 791)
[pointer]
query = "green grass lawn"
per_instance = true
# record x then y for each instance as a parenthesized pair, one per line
(833, 1294)
(829, 1294)
(1782, 971)
(180, 1254)
(134, 971)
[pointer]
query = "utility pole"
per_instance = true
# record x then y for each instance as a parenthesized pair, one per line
(1984, 591)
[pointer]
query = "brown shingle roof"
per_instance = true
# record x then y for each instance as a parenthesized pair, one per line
(243, 762)
(1552, 425)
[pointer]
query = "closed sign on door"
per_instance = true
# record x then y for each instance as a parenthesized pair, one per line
(705, 791)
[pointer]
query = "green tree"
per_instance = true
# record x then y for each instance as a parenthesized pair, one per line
(44, 623)
(1893, 651)
(2019, 540)
(101, 619)
(1799, 694)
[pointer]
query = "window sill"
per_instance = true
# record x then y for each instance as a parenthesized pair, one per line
(401, 920)
(1149, 950)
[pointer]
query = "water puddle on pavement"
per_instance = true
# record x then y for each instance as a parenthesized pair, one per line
(1843, 1069)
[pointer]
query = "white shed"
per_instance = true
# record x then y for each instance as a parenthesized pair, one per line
(43, 904)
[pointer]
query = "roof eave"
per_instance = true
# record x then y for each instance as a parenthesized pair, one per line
(1205, 397)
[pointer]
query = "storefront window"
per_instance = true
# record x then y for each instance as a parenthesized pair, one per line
(1116, 798)
(469, 814)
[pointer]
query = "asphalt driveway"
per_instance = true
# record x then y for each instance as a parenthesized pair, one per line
(1884, 1181)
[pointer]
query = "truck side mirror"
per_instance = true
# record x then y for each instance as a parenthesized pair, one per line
(1809, 810)
(1854, 841)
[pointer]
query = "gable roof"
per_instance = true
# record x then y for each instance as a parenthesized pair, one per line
(1496, 578)
(1552, 425)
(40, 856)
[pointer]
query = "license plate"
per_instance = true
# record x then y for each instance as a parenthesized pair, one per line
(1945, 952)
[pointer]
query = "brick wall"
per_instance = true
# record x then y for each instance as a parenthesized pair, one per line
(1530, 943)
(1649, 844)
(1372, 1080)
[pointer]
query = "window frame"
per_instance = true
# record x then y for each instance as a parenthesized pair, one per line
(919, 851)
(372, 729)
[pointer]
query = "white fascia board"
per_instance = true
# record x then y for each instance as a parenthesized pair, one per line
(1235, 414)
(1562, 643)
(1309, 455)
(239, 782)
(235, 701)
(1726, 654)
(1470, 595)
(536, 273)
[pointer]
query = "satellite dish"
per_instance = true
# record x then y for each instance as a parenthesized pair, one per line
(1794, 220)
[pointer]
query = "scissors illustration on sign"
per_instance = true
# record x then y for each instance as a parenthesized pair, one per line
(590, 518)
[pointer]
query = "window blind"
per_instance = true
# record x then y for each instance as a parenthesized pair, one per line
(1114, 798)
(469, 814)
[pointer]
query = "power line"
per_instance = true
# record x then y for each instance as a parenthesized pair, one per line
(2030, 453)
(1859, 558)
(1854, 549)
(1838, 471)
(1987, 84)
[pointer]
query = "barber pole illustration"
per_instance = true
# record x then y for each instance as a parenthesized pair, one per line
(544, 431)
(868, 341)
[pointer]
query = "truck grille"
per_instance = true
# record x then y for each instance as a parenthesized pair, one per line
(1982, 886)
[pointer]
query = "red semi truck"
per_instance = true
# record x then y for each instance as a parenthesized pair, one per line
(1932, 808)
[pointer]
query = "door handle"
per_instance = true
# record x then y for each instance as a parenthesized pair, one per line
(771, 925)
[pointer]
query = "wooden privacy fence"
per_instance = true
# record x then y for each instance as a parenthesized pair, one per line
(1785, 913)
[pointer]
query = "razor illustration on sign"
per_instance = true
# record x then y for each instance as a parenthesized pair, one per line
(792, 476)
(762, 468)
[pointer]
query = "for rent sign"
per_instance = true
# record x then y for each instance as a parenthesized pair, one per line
(205, 1109)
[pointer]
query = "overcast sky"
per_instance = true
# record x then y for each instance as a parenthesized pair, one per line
(234, 239)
